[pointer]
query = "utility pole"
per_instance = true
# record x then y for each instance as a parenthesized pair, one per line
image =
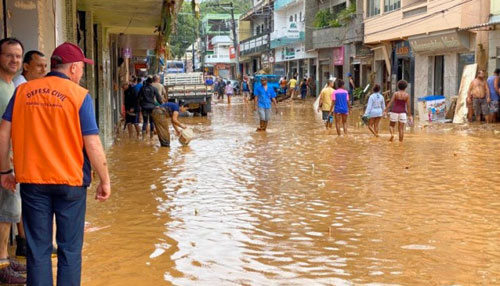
(235, 38)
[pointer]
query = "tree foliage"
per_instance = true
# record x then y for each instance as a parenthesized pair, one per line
(325, 18)
(188, 25)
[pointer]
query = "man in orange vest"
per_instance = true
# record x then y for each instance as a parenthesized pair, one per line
(55, 139)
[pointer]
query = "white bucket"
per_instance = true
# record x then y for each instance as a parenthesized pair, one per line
(186, 136)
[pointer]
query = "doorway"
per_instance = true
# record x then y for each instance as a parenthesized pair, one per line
(439, 75)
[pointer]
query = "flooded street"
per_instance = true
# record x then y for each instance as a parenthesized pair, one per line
(299, 206)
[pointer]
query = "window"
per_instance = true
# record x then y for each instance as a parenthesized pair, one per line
(295, 18)
(291, 18)
(404, 69)
(257, 32)
(439, 75)
(301, 16)
(391, 5)
(373, 7)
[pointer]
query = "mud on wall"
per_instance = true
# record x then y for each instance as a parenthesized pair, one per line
(39, 24)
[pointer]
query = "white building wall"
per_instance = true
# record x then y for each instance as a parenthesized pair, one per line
(283, 16)
(300, 53)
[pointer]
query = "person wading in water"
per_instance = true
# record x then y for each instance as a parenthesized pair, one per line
(400, 110)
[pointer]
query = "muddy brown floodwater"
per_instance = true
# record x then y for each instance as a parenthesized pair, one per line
(299, 206)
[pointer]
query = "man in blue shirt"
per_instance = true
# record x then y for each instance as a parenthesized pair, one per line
(494, 86)
(264, 95)
(160, 117)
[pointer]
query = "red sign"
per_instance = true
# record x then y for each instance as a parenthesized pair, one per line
(338, 56)
(139, 66)
(232, 52)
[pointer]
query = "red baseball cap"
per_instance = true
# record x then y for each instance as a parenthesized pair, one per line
(68, 53)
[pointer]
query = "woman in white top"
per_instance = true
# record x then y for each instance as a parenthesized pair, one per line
(375, 109)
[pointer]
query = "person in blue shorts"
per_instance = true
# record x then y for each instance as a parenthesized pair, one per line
(264, 96)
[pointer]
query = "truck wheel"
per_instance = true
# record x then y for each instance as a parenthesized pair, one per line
(203, 110)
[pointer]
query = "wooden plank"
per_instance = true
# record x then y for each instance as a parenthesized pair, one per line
(461, 109)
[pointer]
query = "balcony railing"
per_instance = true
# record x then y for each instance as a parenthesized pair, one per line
(262, 9)
(254, 45)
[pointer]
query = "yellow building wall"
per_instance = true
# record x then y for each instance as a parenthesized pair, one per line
(446, 15)
(495, 7)
(245, 30)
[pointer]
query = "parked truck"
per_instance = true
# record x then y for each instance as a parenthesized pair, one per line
(190, 88)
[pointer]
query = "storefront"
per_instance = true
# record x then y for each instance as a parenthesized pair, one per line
(439, 61)
(295, 59)
(403, 66)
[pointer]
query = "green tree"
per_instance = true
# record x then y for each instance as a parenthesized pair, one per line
(186, 32)
(188, 25)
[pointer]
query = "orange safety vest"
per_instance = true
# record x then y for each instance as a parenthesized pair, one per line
(47, 139)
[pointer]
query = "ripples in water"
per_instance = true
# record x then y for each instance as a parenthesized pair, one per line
(299, 206)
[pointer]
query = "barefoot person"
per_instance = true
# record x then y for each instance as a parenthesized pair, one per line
(340, 106)
(229, 90)
(479, 95)
(292, 87)
(245, 89)
(400, 111)
(325, 104)
(264, 96)
(375, 109)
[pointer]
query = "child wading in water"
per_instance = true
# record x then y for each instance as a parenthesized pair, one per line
(375, 109)
(400, 111)
(229, 91)
(340, 106)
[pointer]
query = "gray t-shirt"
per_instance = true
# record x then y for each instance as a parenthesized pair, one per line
(18, 80)
(6, 92)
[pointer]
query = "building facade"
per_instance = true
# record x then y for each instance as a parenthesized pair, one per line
(288, 40)
(217, 44)
(107, 37)
(494, 36)
(340, 47)
(421, 41)
(256, 26)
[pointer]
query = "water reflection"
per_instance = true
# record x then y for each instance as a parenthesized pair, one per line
(300, 206)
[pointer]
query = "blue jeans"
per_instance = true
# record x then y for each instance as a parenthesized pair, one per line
(39, 204)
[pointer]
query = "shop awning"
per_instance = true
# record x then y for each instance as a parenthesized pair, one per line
(441, 42)
(492, 22)
(125, 16)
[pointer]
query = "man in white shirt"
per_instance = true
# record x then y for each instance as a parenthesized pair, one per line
(34, 67)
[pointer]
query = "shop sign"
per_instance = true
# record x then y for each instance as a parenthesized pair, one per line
(363, 51)
(403, 48)
(293, 31)
(442, 42)
(289, 53)
(279, 70)
(232, 52)
(221, 66)
(338, 56)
